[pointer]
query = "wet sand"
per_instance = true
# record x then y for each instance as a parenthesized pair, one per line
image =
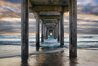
(86, 57)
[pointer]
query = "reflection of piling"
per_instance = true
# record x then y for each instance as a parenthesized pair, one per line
(25, 64)
(73, 62)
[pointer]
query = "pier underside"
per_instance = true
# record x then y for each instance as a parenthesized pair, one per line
(50, 14)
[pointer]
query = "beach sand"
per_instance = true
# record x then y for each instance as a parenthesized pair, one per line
(86, 57)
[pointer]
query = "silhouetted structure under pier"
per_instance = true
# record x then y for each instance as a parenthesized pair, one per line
(50, 14)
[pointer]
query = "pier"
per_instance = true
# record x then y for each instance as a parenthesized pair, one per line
(50, 15)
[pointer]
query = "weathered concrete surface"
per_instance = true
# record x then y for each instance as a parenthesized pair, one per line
(86, 57)
(48, 5)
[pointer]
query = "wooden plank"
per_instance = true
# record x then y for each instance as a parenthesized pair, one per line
(73, 28)
(24, 32)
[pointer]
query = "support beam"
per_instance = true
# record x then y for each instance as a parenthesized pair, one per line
(42, 32)
(58, 31)
(55, 32)
(73, 28)
(62, 30)
(24, 32)
(46, 33)
(37, 34)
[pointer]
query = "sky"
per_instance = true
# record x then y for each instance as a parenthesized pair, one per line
(80, 2)
(85, 2)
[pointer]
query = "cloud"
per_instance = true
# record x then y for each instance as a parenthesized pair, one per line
(85, 2)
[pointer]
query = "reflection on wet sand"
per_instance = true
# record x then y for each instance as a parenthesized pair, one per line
(48, 62)
(25, 64)
(53, 59)
(73, 62)
(86, 57)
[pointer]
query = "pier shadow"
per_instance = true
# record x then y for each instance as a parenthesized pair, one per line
(51, 59)
(24, 64)
(73, 62)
